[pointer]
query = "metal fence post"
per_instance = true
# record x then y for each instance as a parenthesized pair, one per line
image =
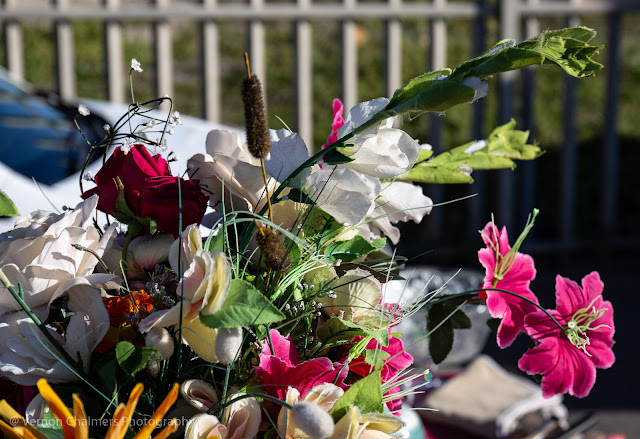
(66, 72)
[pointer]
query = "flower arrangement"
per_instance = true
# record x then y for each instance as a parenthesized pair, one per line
(272, 320)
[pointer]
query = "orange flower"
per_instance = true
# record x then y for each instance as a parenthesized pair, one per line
(75, 426)
(137, 302)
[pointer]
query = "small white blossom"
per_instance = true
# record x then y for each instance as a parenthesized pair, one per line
(165, 96)
(106, 127)
(162, 144)
(83, 110)
(126, 146)
(174, 119)
(171, 132)
(135, 65)
(151, 123)
(88, 176)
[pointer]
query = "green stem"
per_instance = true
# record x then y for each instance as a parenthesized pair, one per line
(470, 292)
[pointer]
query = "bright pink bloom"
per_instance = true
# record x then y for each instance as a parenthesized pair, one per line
(285, 369)
(512, 273)
(568, 359)
(338, 121)
(398, 360)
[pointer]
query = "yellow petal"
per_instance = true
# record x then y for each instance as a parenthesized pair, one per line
(166, 431)
(14, 418)
(82, 426)
(117, 420)
(121, 427)
(57, 407)
(8, 431)
(152, 423)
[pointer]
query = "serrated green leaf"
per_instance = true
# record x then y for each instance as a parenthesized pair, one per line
(352, 249)
(7, 208)
(366, 394)
(336, 329)
(503, 145)
(132, 359)
(244, 306)
(442, 319)
(566, 48)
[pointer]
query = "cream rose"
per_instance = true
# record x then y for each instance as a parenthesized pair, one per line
(40, 256)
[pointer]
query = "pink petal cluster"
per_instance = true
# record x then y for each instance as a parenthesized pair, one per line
(398, 360)
(565, 366)
(284, 368)
(338, 121)
(511, 309)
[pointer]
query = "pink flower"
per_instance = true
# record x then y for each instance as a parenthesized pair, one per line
(338, 121)
(285, 369)
(568, 359)
(511, 271)
(398, 360)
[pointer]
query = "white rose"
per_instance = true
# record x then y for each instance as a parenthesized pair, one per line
(39, 254)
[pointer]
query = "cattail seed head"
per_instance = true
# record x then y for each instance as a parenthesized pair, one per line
(273, 251)
(254, 118)
(312, 420)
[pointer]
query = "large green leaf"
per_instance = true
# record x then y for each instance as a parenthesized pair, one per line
(352, 249)
(441, 90)
(366, 394)
(133, 359)
(336, 329)
(442, 319)
(503, 145)
(7, 208)
(244, 306)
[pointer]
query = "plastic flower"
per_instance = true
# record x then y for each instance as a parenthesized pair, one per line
(83, 110)
(338, 121)
(40, 255)
(511, 271)
(324, 396)
(355, 425)
(205, 282)
(240, 419)
(76, 425)
(568, 359)
(284, 368)
(355, 298)
(380, 150)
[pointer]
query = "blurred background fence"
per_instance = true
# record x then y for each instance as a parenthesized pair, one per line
(308, 52)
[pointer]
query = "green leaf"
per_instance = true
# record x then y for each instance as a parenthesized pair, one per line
(503, 145)
(442, 319)
(414, 86)
(434, 95)
(50, 426)
(133, 359)
(366, 394)
(7, 208)
(375, 357)
(352, 249)
(335, 157)
(244, 306)
(336, 329)
(566, 48)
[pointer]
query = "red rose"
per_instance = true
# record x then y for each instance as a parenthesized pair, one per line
(157, 197)
(132, 169)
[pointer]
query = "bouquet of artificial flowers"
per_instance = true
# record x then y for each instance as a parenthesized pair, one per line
(248, 300)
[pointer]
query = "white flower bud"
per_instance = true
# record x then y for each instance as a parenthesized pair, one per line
(160, 339)
(315, 422)
(135, 65)
(83, 110)
(228, 343)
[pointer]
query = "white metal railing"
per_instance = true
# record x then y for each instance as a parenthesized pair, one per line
(517, 18)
